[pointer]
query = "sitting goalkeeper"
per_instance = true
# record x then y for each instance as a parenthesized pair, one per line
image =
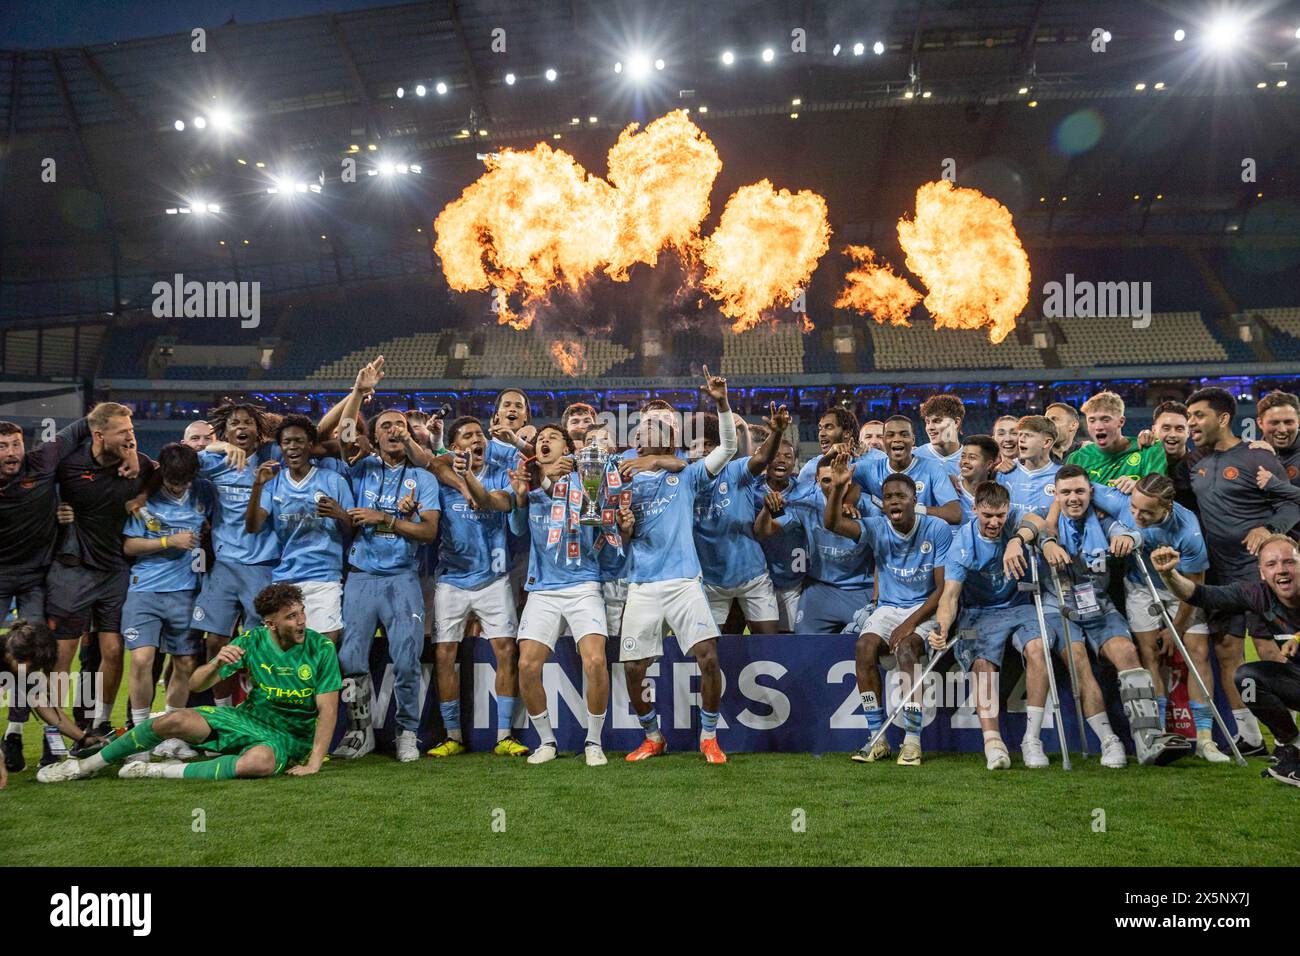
(289, 715)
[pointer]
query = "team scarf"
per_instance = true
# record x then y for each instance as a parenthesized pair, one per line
(564, 527)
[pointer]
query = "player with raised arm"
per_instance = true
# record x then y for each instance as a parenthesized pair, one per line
(1163, 522)
(839, 585)
(1236, 517)
(163, 538)
(564, 585)
(909, 551)
(1271, 606)
(1031, 481)
(664, 582)
(1077, 546)
(943, 415)
(382, 586)
(786, 553)
(837, 430)
(474, 578)
(288, 716)
(244, 562)
(934, 489)
(307, 509)
(733, 564)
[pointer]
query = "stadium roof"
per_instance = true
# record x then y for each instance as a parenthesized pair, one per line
(305, 94)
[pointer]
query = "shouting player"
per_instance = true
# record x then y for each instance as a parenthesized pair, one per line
(664, 584)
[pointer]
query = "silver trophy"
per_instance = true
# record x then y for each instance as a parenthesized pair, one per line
(592, 461)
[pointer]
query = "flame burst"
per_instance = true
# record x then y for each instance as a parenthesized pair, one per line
(764, 250)
(663, 177)
(963, 247)
(873, 287)
(537, 222)
(570, 356)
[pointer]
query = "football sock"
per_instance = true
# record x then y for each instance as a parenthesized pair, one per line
(138, 738)
(13, 727)
(225, 701)
(223, 768)
(103, 712)
(992, 736)
(505, 714)
(450, 711)
(875, 713)
(595, 727)
(912, 720)
(139, 715)
(1100, 725)
(1247, 727)
(1035, 725)
(650, 724)
(708, 724)
(542, 722)
(1202, 717)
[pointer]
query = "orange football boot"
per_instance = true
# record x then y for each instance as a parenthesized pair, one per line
(712, 752)
(649, 748)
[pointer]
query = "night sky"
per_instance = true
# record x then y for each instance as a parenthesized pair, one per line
(39, 24)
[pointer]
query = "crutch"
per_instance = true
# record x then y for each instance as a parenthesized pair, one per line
(1191, 665)
(1045, 636)
(920, 683)
(1069, 656)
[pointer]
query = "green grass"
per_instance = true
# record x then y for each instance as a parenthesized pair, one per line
(670, 810)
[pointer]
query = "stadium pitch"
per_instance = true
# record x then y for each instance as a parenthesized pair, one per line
(758, 810)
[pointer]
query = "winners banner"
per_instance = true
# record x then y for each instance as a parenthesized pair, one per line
(781, 693)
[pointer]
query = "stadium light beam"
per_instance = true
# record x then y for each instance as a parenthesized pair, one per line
(420, 89)
(400, 92)
(200, 122)
(768, 54)
(551, 75)
(728, 58)
(878, 48)
(1223, 33)
(510, 79)
(441, 88)
(179, 126)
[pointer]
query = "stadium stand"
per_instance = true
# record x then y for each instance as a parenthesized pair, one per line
(922, 346)
(1171, 337)
(504, 352)
(765, 350)
(407, 356)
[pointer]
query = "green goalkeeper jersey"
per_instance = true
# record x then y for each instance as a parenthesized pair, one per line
(286, 682)
(1108, 467)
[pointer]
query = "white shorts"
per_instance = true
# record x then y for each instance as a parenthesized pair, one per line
(1138, 605)
(323, 602)
(680, 603)
(787, 607)
(493, 605)
(581, 608)
(884, 619)
(756, 597)
(615, 593)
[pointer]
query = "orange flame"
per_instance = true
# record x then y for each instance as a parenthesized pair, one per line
(663, 176)
(764, 250)
(570, 355)
(963, 247)
(537, 222)
(874, 288)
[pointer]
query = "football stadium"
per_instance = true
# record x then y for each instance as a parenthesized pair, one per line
(650, 432)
